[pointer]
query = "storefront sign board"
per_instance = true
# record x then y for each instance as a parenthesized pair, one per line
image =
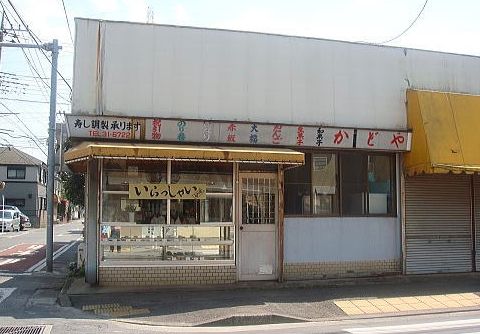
(167, 191)
(235, 133)
(247, 133)
(383, 140)
(94, 127)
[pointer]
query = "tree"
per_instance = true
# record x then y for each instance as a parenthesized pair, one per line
(73, 184)
(74, 187)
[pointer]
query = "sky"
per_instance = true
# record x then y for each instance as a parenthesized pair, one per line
(444, 25)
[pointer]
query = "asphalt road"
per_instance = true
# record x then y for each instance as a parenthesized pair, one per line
(26, 290)
(67, 320)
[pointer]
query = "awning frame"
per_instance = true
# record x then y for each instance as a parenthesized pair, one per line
(90, 150)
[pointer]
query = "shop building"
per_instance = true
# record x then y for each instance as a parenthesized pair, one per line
(216, 156)
(442, 186)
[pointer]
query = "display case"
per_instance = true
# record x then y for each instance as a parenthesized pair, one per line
(161, 242)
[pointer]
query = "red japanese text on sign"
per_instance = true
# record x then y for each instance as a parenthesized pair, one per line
(339, 136)
(156, 129)
(371, 138)
(300, 135)
(231, 135)
(277, 134)
(397, 139)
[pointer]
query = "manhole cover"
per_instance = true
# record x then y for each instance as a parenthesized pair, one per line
(41, 329)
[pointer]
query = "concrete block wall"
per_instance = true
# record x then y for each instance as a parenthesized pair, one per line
(325, 270)
(164, 276)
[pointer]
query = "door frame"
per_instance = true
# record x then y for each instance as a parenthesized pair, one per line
(238, 208)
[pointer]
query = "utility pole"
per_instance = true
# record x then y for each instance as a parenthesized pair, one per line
(1, 31)
(54, 49)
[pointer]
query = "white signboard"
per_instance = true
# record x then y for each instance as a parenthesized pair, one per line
(116, 128)
(247, 133)
(240, 133)
(383, 140)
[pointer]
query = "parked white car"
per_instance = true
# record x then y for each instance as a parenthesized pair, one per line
(24, 220)
(9, 220)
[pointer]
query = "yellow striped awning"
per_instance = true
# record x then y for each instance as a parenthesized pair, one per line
(446, 132)
(76, 156)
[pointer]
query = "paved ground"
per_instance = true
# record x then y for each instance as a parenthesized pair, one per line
(266, 303)
(30, 297)
(413, 303)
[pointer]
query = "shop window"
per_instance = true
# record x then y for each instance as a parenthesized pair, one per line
(142, 230)
(218, 205)
(381, 178)
(298, 188)
(324, 184)
(16, 172)
(354, 183)
(368, 184)
(344, 184)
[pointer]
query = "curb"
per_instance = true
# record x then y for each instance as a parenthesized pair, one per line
(300, 320)
(63, 299)
(271, 285)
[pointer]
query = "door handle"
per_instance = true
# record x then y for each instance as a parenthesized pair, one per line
(241, 227)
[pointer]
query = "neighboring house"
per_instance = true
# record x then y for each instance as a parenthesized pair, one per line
(26, 181)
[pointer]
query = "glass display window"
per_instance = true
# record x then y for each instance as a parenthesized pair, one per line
(166, 230)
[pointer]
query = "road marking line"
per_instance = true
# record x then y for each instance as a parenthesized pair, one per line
(17, 235)
(39, 266)
(415, 327)
(3, 250)
(8, 261)
(5, 293)
(30, 250)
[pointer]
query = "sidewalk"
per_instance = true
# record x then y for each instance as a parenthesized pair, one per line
(271, 302)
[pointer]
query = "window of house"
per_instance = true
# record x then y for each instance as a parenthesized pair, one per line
(16, 172)
(42, 203)
(343, 184)
(18, 202)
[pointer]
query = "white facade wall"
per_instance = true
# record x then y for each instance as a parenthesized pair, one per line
(179, 72)
(341, 239)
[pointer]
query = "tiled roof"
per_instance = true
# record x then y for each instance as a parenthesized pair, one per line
(11, 156)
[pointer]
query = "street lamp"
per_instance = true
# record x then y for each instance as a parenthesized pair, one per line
(2, 186)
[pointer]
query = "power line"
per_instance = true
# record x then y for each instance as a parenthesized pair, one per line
(29, 62)
(33, 101)
(22, 75)
(33, 137)
(37, 41)
(34, 69)
(408, 28)
(68, 22)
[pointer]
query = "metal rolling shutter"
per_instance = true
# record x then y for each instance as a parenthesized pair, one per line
(438, 224)
(476, 187)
